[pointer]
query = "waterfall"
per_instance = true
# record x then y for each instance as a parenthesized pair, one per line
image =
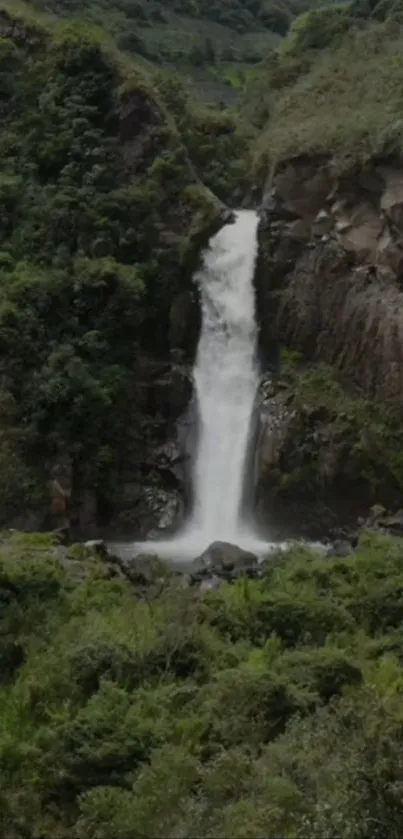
(226, 380)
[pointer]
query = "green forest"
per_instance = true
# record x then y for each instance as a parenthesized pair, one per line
(212, 45)
(269, 707)
(97, 241)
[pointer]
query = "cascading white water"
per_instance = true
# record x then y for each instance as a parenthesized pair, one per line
(226, 381)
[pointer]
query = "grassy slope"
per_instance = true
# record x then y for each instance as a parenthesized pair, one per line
(165, 714)
(176, 41)
(269, 708)
(333, 92)
(212, 46)
(343, 99)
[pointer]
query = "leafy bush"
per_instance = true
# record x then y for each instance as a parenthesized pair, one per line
(217, 144)
(95, 241)
(121, 715)
(317, 29)
(331, 87)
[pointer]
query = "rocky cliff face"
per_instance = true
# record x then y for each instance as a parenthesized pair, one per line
(329, 286)
(329, 282)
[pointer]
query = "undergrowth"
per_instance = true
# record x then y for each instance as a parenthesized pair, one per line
(269, 707)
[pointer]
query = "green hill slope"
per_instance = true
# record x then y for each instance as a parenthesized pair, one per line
(212, 45)
(101, 213)
(333, 86)
(270, 707)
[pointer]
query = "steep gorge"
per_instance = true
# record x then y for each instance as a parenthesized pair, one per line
(227, 697)
(104, 215)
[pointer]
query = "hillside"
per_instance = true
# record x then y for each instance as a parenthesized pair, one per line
(102, 215)
(112, 179)
(332, 86)
(328, 169)
(212, 46)
(264, 700)
(271, 707)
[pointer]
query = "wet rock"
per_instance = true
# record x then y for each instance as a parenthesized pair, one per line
(164, 506)
(336, 298)
(340, 548)
(97, 547)
(392, 198)
(302, 186)
(377, 513)
(199, 574)
(394, 523)
(226, 561)
(274, 420)
(380, 519)
(146, 511)
(185, 321)
(211, 583)
(323, 223)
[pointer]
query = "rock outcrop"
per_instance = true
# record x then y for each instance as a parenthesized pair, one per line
(224, 560)
(330, 273)
(329, 286)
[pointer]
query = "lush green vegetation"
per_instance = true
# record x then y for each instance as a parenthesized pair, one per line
(211, 43)
(267, 708)
(333, 85)
(337, 437)
(100, 220)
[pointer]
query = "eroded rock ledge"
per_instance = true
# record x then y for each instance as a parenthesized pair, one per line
(330, 270)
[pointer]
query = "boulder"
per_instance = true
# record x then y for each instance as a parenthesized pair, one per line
(97, 547)
(340, 548)
(380, 519)
(222, 559)
(394, 523)
(166, 507)
(210, 583)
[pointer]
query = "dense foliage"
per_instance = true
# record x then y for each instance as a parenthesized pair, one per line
(337, 438)
(200, 39)
(266, 708)
(100, 213)
(333, 85)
